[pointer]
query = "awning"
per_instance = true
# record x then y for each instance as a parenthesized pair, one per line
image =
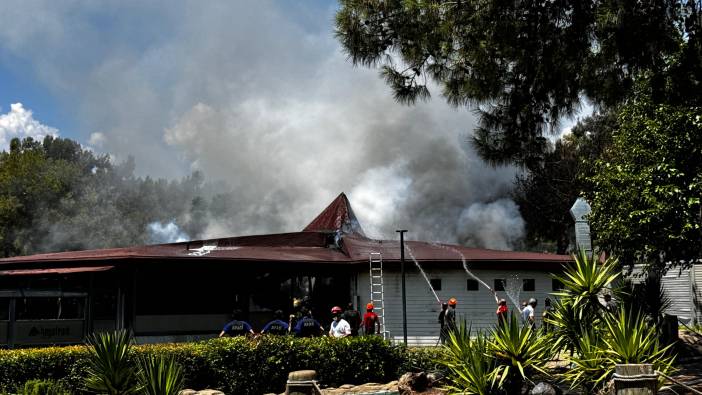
(58, 270)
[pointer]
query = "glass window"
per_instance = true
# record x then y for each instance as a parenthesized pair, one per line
(499, 284)
(528, 284)
(4, 309)
(471, 285)
(556, 285)
(435, 284)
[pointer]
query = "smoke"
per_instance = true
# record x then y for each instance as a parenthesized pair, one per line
(165, 233)
(260, 96)
(495, 225)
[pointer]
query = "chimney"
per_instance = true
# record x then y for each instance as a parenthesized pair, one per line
(579, 212)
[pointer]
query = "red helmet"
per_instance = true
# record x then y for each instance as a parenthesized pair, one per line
(452, 302)
(369, 306)
(336, 310)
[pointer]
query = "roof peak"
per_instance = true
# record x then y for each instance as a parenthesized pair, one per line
(337, 216)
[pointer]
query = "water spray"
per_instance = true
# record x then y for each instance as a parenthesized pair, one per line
(409, 251)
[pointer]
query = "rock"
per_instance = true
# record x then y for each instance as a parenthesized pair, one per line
(302, 375)
(210, 392)
(187, 392)
(412, 382)
(544, 388)
(346, 386)
(433, 377)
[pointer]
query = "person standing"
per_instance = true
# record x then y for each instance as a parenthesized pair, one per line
(442, 327)
(547, 315)
(528, 312)
(502, 310)
(339, 327)
(450, 316)
(236, 327)
(353, 317)
(371, 322)
(308, 326)
(277, 326)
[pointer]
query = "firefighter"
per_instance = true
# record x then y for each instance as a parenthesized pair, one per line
(277, 326)
(442, 321)
(339, 327)
(236, 327)
(450, 316)
(371, 322)
(353, 317)
(308, 326)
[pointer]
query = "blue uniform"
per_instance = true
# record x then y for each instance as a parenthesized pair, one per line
(308, 327)
(276, 327)
(237, 328)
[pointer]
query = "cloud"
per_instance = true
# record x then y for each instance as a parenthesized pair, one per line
(19, 122)
(261, 96)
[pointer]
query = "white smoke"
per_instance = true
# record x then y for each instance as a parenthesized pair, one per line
(495, 225)
(19, 122)
(261, 96)
(165, 233)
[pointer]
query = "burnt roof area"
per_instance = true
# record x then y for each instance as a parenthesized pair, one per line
(333, 237)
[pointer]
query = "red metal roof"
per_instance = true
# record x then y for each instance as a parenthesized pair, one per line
(315, 244)
(337, 216)
(62, 270)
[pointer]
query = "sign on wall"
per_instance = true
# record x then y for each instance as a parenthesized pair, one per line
(49, 331)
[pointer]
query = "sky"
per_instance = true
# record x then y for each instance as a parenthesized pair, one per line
(258, 95)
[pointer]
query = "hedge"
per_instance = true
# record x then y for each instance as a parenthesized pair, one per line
(236, 365)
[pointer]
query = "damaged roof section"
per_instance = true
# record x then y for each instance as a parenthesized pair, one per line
(338, 216)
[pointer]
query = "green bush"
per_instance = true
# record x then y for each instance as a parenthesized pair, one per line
(42, 387)
(234, 365)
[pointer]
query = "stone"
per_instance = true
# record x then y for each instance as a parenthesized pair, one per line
(544, 388)
(187, 392)
(412, 382)
(302, 375)
(346, 386)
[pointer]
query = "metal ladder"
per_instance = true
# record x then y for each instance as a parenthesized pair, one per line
(377, 290)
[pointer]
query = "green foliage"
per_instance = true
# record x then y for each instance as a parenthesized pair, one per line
(519, 351)
(56, 195)
(43, 387)
(160, 376)
(646, 188)
(471, 368)
(234, 365)
(585, 279)
(630, 339)
(525, 65)
(588, 370)
(110, 370)
(545, 193)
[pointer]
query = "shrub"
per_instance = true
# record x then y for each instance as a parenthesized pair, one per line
(110, 370)
(233, 365)
(43, 387)
(160, 376)
(471, 368)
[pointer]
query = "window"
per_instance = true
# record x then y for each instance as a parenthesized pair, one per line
(471, 285)
(556, 285)
(499, 284)
(435, 284)
(528, 284)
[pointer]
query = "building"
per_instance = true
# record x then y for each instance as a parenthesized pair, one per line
(184, 291)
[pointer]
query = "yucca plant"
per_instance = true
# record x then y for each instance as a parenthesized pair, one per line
(470, 368)
(586, 279)
(110, 370)
(518, 351)
(630, 339)
(589, 369)
(568, 324)
(160, 375)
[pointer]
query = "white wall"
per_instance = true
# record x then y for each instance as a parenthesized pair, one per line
(476, 307)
